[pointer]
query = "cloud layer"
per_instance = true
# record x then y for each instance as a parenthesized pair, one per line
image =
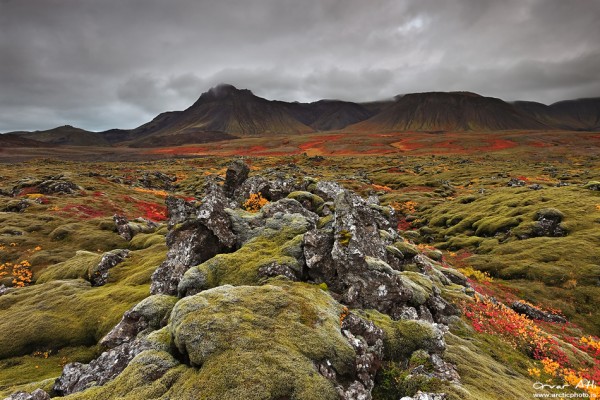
(118, 63)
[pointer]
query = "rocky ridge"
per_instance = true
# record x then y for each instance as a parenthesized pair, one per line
(307, 297)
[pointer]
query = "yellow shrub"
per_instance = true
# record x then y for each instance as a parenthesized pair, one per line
(255, 202)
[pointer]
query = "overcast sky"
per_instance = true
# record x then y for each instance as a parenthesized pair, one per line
(100, 64)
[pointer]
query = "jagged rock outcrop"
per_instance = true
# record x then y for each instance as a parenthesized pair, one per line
(54, 185)
(236, 174)
(352, 260)
(99, 274)
(77, 377)
(128, 229)
(367, 341)
(157, 180)
(195, 240)
(306, 298)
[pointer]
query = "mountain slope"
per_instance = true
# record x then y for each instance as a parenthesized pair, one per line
(452, 111)
(579, 114)
(11, 140)
(224, 112)
(329, 115)
(66, 135)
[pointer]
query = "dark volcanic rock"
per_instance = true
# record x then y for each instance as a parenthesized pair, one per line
(195, 240)
(37, 394)
(123, 228)
(77, 377)
(16, 206)
(157, 180)
(349, 260)
(190, 243)
(151, 313)
(47, 185)
(236, 174)
(367, 341)
(514, 182)
(58, 186)
(548, 223)
(178, 210)
(271, 189)
(128, 229)
(532, 312)
(99, 275)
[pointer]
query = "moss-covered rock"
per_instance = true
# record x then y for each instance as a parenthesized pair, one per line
(242, 267)
(408, 250)
(307, 199)
(403, 337)
(241, 342)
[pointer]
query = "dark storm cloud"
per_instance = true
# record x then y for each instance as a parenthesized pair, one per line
(117, 63)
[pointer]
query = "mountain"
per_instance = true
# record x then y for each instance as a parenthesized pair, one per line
(224, 112)
(14, 140)
(448, 111)
(330, 115)
(66, 135)
(579, 114)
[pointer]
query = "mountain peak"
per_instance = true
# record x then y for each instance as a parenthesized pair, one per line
(224, 90)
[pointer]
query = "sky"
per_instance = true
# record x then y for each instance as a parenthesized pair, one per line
(101, 64)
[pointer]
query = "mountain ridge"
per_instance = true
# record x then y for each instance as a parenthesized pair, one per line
(225, 112)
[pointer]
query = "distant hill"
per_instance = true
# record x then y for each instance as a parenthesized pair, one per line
(580, 114)
(453, 111)
(66, 135)
(9, 140)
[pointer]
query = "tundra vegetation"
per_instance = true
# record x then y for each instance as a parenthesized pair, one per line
(479, 231)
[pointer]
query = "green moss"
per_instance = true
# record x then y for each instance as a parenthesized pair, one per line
(489, 368)
(403, 337)
(407, 249)
(57, 314)
(259, 342)
(85, 236)
(421, 285)
(393, 382)
(77, 267)
(344, 237)
(326, 221)
(138, 267)
(314, 200)
(16, 371)
(145, 240)
(490, 226)
(241, 267)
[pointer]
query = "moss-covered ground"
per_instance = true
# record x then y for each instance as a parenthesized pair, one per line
(456, 201)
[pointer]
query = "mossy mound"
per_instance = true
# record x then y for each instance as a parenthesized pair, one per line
(250, 342)
(62, 313)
